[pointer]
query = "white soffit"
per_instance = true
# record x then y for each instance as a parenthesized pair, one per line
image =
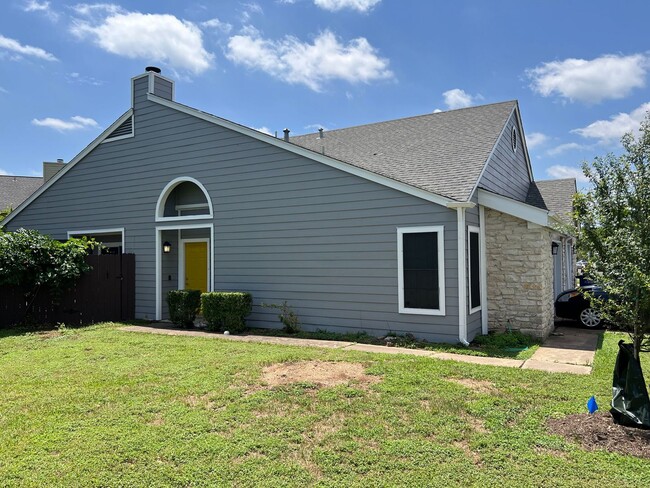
(513, 207)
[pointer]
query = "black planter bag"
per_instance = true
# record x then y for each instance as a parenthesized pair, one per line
(630, 402)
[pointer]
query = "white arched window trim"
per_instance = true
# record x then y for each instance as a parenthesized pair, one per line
(162, 199)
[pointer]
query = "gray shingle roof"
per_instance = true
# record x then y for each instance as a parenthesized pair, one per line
(557, 196)
(535, 197)
(16, 189)
(443, 153)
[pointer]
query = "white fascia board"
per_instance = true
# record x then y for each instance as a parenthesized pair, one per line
(523, 139)
(301, 151)
(513, 207)
(69, 165)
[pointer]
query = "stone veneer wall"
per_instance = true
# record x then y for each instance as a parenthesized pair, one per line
(519, 275)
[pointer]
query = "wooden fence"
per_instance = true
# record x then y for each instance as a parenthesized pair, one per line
(107, 292)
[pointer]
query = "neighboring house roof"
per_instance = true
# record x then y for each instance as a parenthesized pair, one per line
(443, 153)
(14, 190)
(557, 196)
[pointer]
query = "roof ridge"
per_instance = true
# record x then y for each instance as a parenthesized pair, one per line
(474, 107)
(20, 176)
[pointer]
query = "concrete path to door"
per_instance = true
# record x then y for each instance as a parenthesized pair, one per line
(569, 350)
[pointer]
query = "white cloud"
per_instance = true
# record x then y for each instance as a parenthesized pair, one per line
(336, 5)
(91, 9)
(75, 123)
(563, 148)
(315, 127)
(25, 50)
(4, 172)
(42, 7)
(217, 25)
(458, 98)
(264, 129)
(295, 62)
(561, 171)
(83, 80)
(153, 37)
(590, 81)
(609, 131)
(249, 9)
(535, 139)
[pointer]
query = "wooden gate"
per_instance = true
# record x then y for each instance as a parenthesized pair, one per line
(105, 293)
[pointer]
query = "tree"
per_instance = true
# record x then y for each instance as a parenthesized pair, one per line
(614, 234)
(4, 213)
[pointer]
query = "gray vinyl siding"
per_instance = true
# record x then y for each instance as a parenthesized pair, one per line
(507, 171)
(285, 227)
(163, 88)
(169, 275)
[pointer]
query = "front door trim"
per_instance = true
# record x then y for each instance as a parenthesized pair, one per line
(158, 251)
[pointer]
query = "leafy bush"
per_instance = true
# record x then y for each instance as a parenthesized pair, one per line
(31, 259)
(287, 316)
(226, 310)
(183, 306)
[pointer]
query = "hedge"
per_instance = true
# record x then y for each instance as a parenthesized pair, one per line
(183, 306)
(226, 310)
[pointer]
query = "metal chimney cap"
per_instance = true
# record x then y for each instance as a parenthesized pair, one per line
(59, 160)
(154, 69)
(320, 132)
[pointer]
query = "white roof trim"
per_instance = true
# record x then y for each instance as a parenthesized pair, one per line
(301, 151)
(524, 146)
(69, 165)
(513, 207)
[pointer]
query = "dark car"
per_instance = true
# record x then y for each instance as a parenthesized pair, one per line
(575, 305)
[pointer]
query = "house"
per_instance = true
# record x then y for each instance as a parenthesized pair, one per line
(14, 190)
(421, 225)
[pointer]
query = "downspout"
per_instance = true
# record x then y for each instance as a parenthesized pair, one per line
(462, 269)
(483, 264)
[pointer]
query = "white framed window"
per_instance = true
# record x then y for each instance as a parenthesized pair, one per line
(514, 139)
(474, 264)
(111, 240)
(183, 198)
(421, 270)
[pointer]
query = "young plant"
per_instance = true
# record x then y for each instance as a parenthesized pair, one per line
(287, 316)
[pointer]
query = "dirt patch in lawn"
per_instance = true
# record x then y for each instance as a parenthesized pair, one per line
(598, 431)
(479, 386)
(319, 373)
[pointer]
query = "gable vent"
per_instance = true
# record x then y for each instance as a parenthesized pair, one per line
(125, 129)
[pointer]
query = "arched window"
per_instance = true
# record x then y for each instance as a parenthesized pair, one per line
(183, 198)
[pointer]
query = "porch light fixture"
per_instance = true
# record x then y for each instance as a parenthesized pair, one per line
(167, 247)
(554, 248)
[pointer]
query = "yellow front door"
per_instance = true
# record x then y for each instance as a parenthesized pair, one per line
(196, 266)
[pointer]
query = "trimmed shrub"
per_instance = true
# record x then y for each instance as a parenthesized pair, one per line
(226, 310)
(183, 306)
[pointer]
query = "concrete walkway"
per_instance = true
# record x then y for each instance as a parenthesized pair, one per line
(567, 351)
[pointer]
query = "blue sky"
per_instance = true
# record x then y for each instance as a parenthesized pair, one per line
(579, 69)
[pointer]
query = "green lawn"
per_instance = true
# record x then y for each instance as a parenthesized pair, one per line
(102, 407)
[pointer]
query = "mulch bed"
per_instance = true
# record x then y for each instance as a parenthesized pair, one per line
(598, 431)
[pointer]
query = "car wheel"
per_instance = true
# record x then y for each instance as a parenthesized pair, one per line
(591, 318)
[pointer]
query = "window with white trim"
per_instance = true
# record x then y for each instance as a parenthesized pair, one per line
(474, 251)
(421, 270)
